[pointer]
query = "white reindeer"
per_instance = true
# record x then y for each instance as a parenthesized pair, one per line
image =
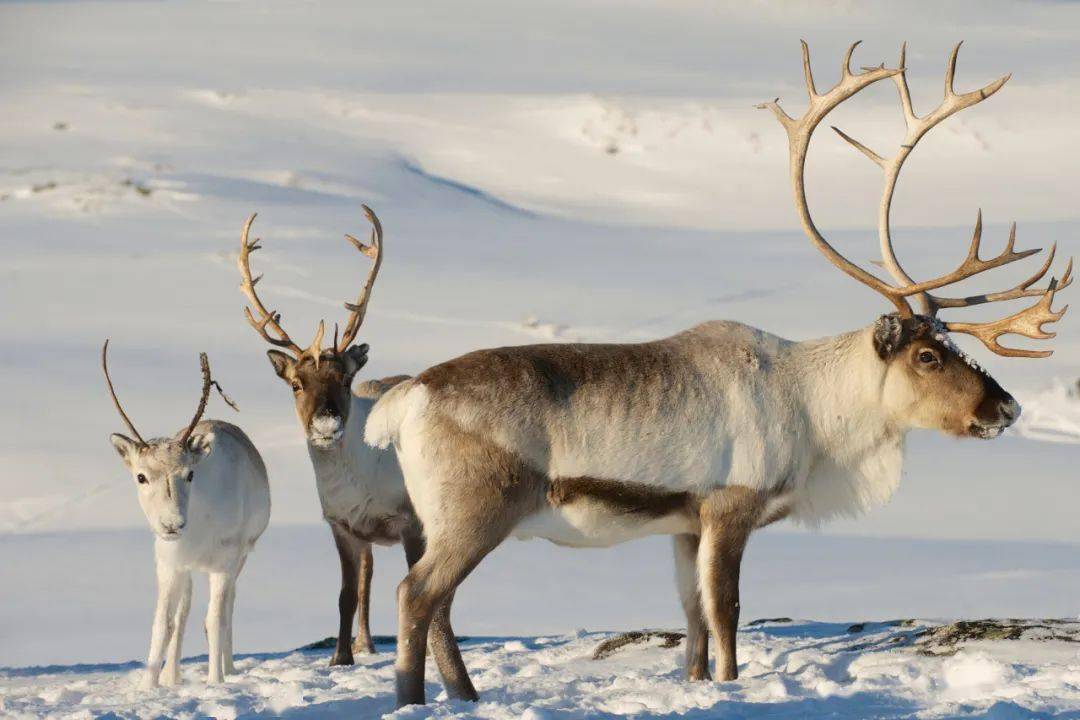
(705, 435)
(205, 494)
(361, 489)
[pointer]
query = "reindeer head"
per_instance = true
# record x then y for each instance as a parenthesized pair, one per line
(320, 379)
(929, 382)
(164, 468)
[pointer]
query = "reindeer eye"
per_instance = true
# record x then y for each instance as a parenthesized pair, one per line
(927, 357)
(296, 386)
(142, 479)
(190, 475)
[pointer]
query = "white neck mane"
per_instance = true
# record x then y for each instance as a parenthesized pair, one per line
(859, 450)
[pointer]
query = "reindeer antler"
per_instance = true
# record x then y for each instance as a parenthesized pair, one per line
(116, 400)
(1027, 322)
(359, 308)
(268, 320)
(208, 382)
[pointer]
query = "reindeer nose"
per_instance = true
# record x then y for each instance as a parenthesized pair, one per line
(1010, 410)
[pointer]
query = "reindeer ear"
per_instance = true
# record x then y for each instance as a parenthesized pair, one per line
(283, 363)
(890, 335)
(355, 358)
(200, 445)
(125, 447)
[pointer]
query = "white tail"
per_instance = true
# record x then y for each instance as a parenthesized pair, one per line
(384, 422)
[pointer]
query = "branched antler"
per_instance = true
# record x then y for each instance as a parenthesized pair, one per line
(268, 322)
(359, 308)
(1027, 322)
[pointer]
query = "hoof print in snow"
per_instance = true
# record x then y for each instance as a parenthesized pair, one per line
(637, 637)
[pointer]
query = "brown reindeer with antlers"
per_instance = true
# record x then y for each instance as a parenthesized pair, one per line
(206, 496)
(361, 489)
(706, 435)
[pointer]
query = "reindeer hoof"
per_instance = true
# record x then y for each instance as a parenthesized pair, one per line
(698, 675)
(149, 681)
(170, 678)
(363, 648)
(341, 660)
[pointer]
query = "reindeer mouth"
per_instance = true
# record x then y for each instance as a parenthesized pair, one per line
(169, 535)
(325, 441)
(985, 432)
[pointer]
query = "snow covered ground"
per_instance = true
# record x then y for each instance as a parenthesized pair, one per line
(561, 171)
(788, 670)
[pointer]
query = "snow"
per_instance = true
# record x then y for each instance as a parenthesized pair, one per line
(788, 670)
(553, 172)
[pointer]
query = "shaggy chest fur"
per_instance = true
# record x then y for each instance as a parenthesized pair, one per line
(361, 488)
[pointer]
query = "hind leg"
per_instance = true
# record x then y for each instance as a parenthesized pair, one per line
(429, 585)
(442, 643)
(697, 632)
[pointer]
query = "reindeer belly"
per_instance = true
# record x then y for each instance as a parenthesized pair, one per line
(590, 512)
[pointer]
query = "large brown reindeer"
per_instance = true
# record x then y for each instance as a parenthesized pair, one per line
(706, 435)
(361, 488)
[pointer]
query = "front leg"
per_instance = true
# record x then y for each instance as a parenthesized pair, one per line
(171, 674)
(363, 643)
(215, 623)
(347, 597)
(169, 586)
(728, 516)
(697, 632)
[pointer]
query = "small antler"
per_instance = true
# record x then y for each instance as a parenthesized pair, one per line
(208, 382)
(359, 308)
(116, 400)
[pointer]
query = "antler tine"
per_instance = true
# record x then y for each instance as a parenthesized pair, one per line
(247, 285)
(972, 264)
(1021, 290)
(358, 309)
(1028, 322)
(204, 363)
(799, 133)
(116, 400)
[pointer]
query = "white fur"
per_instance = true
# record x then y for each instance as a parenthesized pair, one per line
(359, 485)
(223, 510)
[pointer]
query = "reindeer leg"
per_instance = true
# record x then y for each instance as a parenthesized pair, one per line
(168, 581)
(347, 597)
(697, 632)
(227, 666)
(171, 674)
(215, 623)
(363, 643)
(442, 643)
(728, 516)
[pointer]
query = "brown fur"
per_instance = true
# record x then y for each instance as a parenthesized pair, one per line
(631, 498)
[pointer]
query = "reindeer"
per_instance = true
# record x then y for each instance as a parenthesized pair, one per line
(706, 435)
(361, 488)
(205, 494)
